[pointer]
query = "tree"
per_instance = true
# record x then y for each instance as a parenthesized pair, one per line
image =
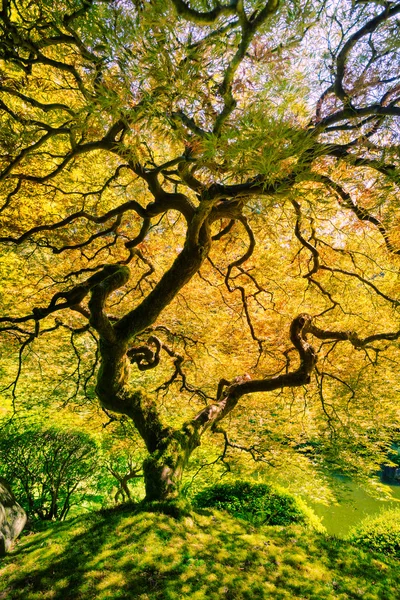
(160, 155)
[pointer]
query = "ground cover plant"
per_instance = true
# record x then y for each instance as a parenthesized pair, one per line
(149, 556)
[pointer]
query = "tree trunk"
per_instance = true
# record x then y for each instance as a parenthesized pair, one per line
(163, 469)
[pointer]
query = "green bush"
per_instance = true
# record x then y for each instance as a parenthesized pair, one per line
(258, 503)
(380, 533)
(49, 469)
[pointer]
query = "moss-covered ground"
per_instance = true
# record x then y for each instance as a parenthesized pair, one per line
(150, 556)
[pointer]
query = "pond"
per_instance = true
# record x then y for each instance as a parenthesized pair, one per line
(354, 507)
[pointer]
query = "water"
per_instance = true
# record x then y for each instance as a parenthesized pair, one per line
(356, 505)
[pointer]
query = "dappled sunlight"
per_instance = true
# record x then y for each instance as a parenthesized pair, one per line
(155, 557)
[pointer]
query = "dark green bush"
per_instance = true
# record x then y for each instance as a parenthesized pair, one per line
(380, 533)
(49, 469)
(258, 503)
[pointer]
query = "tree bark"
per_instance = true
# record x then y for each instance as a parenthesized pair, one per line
(164, 468)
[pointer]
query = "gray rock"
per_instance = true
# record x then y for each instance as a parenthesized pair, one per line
(12, 517)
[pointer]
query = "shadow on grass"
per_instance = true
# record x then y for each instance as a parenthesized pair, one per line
(148, 556)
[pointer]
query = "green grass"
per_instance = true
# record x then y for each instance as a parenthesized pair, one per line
(148, 556)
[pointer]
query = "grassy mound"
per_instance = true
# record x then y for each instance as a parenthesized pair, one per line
(149, 556)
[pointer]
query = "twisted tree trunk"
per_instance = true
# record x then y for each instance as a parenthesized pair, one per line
(170, 450)
(164, 467)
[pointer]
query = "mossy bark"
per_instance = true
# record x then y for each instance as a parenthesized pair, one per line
(164, 468)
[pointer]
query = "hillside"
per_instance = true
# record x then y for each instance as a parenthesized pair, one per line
(147, 556)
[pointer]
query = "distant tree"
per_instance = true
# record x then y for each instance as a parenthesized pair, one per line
(211, 187)
(123, 471)
(50, 470)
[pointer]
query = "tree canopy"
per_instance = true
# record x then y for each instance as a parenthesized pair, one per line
(199, 214)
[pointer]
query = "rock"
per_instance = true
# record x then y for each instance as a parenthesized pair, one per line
(390, 475)
(12, 517)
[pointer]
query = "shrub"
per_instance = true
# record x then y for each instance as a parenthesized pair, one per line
(260, 504)
(380, 533)
(49, 469)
